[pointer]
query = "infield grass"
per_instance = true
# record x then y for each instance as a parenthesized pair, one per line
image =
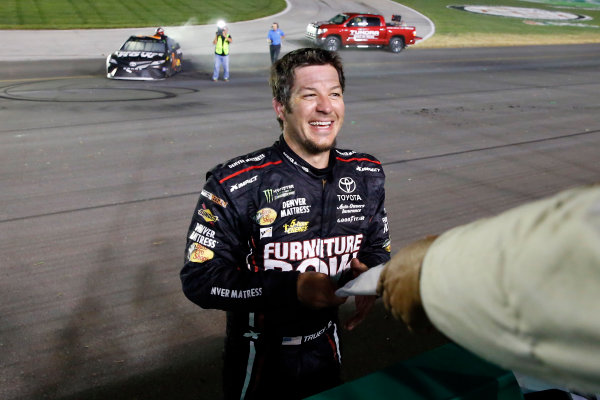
(71, 14)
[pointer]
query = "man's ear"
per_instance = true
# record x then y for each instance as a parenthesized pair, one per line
(279, 109)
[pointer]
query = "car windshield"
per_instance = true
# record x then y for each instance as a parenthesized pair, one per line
(338, 19)
(155, 46)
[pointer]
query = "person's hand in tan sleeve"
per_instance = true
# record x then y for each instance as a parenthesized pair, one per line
(399, 285)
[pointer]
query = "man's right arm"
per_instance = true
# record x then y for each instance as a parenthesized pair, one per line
(216, 273)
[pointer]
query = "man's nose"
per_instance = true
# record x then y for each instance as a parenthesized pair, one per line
(324, 104)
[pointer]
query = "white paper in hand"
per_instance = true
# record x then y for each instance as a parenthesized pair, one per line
(363, 285)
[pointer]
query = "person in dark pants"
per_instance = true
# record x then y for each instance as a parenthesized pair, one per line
(274, 38)
(277, 230)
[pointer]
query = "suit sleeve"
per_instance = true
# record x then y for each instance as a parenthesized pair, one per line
(376, 248)
(216, 273)
(521, 289)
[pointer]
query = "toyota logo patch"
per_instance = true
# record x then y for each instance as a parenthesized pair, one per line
(347, 185)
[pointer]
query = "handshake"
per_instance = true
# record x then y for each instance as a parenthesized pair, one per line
(398, 283)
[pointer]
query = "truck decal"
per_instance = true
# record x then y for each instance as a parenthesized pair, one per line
(363, 35)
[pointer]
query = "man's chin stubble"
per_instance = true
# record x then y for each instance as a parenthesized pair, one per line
(314, 149)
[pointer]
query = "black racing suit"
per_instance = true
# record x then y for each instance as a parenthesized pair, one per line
(261, 220)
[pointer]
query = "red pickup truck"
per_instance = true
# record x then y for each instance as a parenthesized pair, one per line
(361, 30)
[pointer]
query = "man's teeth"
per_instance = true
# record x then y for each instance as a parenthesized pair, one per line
(320, 123)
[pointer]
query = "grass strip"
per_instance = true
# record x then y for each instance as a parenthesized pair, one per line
(455, 28)
(82, 14)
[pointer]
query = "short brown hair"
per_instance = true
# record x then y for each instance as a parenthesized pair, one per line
(282, 71)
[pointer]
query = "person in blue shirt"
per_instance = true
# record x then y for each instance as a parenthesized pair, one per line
(274, 39)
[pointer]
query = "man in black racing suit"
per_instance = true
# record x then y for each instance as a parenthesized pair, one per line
(275, 232)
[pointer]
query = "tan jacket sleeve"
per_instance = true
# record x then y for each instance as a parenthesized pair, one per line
(522, 289)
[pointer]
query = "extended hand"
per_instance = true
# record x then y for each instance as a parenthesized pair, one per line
(363, 304)
(317, 291)
(399, 285)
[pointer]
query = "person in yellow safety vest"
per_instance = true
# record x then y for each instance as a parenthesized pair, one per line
(221, 42)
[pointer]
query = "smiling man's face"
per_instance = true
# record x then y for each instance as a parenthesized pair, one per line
(316, 112)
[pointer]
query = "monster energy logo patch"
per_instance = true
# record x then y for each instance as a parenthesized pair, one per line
(268, 195)
(274, 194)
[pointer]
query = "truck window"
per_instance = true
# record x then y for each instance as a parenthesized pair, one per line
(338, 19)
(358, 21)
(373, 21)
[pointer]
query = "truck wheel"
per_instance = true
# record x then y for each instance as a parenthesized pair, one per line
(396, 44)
(332, 43)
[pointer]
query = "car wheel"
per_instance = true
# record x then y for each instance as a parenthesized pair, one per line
(332, 43)
(156, 74)
(396, 44)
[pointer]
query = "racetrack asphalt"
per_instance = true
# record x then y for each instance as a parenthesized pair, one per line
(99, 179)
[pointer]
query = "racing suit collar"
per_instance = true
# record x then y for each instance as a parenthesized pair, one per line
(295, 159)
